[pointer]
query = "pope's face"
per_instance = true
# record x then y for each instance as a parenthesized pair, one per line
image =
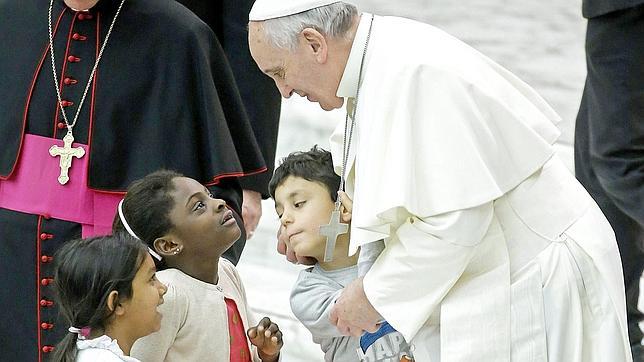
(303, 70)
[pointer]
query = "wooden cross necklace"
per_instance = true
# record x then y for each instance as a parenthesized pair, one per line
(67, 153)
(335, 227)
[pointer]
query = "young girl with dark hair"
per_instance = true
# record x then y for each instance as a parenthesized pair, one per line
(205, 311)
(108, 293)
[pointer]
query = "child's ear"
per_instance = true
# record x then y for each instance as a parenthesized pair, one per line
(113, 304)
(167, 247)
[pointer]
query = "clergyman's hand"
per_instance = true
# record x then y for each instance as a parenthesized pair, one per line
(251, 211)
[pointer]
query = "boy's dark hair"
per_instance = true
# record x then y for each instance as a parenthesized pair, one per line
(85, 272)
(147, 206)
(315, 165)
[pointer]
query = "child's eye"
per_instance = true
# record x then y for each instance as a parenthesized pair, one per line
(154, 278)
(199, 205)
(211, 195)
(299, 204)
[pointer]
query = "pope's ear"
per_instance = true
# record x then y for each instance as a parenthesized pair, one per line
(316, 42)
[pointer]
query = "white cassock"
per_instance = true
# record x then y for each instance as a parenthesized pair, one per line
(494, 252)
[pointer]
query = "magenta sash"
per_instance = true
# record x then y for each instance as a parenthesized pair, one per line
(34, 189)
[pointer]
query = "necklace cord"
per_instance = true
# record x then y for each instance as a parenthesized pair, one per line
(70, 126)
(346, 142)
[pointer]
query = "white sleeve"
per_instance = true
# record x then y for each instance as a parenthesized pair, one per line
(420, 264)
(154, 347)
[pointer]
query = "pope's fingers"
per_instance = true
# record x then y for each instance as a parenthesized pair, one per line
(355, 331)
(290, 256)
(345, 201)
(372, 328)
(333, 316)
(343, 328)
(281, 247)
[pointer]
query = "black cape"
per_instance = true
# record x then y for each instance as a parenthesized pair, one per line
(229, 20)
(164, 95)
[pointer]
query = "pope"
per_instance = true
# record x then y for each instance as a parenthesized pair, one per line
(494, 252)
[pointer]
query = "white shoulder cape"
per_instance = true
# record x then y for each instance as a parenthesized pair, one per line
(439, 127)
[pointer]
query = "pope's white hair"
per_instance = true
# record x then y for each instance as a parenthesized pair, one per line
(332, 20)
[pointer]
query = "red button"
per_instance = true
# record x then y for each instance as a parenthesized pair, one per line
(46, 325)
(81, 16)
(61, 125)
(45, 236)
(66, 103)
(47, 349)
(45, 281)
(46, 258)
(46, 303)
(69, 81)
(73, 59)
(77, 36)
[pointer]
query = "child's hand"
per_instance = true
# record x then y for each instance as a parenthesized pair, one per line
(346, 208)
(267, 337)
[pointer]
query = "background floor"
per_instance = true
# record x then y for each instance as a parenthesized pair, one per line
(540, 41)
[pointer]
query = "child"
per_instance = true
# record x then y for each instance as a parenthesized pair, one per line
(205, 310)
(108, 294)
(305, 189)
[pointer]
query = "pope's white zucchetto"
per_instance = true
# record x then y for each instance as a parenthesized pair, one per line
(271, 9)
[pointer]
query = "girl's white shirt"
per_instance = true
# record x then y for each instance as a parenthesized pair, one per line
(101, 349)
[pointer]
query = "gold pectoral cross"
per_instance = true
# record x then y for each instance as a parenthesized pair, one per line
(332, 230)
(66, 153)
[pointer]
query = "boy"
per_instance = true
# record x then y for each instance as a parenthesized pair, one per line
(305, 189)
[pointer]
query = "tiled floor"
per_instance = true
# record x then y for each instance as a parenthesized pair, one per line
(540, 41)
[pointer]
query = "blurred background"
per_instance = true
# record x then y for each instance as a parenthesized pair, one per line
(542, 42)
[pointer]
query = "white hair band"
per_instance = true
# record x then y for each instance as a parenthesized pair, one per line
(131, 232)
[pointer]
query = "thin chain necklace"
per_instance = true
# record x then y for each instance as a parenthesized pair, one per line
(335, 227)
(346, 141)
(67, 152)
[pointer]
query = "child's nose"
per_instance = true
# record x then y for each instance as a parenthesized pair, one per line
(286, 219)
(220, 204)
(163, 289)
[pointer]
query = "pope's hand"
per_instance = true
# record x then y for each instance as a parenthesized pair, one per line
(284, 248)
(346, 207)
(353, 313)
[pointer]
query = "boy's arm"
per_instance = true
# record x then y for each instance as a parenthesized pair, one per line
(312, 298)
